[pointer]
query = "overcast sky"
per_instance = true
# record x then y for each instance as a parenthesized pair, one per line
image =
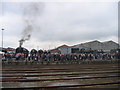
(56, 23)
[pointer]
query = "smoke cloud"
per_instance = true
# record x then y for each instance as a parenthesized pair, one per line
(31, 12)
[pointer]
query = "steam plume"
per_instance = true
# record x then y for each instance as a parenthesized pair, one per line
(31, 13)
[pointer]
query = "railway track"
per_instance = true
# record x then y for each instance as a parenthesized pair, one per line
(52, 77)
(31, 79)
(62, 86)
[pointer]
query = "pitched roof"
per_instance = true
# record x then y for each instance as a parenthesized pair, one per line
(92, 42)
(82, 44)
(63, 46)
(109, 41)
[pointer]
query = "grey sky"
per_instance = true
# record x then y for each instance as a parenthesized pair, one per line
(59, 23)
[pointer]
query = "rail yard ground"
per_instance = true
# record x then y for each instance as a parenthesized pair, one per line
(57, 76)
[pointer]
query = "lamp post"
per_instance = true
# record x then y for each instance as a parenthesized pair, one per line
(2, 38)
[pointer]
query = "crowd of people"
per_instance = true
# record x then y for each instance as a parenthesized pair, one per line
(41, 56)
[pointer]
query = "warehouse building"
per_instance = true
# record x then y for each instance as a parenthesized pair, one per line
(93, 45)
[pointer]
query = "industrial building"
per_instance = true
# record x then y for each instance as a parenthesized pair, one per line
(93, 45)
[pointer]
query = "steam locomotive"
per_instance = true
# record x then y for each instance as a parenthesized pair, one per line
(25, 51)
(22, 51)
